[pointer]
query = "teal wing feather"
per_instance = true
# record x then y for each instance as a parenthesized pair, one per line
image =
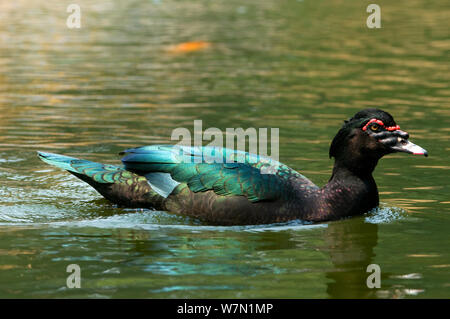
(100, 173)
(226, 172)
(115, 183)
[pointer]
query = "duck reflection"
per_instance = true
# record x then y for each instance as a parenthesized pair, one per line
(350, 244)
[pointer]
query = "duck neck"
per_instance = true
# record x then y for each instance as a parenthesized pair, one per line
(342, 171)
(348, 192)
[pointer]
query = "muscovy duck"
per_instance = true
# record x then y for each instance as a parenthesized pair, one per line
(181, 179)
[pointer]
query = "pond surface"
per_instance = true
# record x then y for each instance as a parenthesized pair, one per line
(136, 70)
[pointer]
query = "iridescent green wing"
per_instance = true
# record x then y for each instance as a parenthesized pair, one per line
(226, 172)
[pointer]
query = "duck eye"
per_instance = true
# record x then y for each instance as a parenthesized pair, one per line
(374, 127)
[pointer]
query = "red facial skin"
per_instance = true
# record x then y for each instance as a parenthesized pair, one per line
(388, 128)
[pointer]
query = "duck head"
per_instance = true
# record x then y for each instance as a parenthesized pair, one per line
(366, 137)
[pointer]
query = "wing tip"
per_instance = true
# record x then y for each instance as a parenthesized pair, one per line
(42, 154)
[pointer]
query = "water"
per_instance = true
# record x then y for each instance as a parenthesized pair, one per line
(302, 66)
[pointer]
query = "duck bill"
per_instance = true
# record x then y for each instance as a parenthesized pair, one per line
(408, 147)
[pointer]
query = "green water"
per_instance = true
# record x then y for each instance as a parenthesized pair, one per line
(300, 66)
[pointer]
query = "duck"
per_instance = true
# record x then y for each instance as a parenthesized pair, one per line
(182, 179)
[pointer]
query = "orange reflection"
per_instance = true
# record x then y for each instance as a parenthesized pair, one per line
(187, 47)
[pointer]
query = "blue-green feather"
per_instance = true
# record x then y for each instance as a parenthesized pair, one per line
(101, 173)
(228, 178)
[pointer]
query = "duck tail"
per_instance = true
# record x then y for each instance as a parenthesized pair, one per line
(115, 183)
(57, 160)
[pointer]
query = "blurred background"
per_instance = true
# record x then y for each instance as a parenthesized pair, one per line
(138, 69)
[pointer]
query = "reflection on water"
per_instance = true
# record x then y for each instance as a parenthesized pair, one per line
(138, 69)
(351, 248)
